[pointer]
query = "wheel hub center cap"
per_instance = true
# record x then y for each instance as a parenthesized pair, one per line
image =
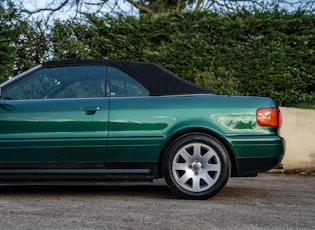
(196, 166)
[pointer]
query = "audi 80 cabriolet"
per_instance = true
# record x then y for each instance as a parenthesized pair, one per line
(121, 120)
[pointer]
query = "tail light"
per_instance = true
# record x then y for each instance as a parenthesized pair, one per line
(269, 117)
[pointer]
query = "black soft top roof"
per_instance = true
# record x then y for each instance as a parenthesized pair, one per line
(158, 80)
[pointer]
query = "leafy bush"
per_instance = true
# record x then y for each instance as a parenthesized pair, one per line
(7, 38)
(243, 53)
(246, 53)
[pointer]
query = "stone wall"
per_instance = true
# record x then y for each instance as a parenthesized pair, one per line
(298, 128)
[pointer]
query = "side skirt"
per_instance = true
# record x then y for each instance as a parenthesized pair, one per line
(121, 172)
(76, 174)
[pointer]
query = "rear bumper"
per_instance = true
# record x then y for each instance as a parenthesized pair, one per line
(254, 154)
(252, 165)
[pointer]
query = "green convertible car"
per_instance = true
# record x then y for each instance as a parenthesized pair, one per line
(121, 120)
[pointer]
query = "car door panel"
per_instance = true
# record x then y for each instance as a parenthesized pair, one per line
(56, 117)
(54, 131)
(135, 130)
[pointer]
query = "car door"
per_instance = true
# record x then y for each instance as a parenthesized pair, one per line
(135, 127)
(56, 117)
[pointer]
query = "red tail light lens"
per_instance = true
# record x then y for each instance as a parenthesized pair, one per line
(269, 117)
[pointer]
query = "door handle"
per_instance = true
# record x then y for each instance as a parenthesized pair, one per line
(90, 110)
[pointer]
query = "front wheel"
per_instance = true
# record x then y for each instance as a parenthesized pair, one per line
(196, 166)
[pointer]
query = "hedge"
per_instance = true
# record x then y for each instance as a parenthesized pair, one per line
(244, 53)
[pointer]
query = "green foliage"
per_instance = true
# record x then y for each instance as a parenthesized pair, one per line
(243, 53)
(32, 45)
(73, 40)
(246, 53)
(7, 39)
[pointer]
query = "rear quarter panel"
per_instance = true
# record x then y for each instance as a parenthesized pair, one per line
(139, 127)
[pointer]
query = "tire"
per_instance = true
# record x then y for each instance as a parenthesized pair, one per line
(196, 166)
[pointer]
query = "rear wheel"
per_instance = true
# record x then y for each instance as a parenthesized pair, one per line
(196, 166)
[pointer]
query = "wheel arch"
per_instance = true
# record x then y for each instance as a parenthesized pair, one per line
(180, 134)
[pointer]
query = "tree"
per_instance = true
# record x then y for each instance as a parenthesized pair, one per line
(32, 45)
(8, 34)
(162, 6)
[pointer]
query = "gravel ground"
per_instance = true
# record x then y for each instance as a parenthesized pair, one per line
(269, 201)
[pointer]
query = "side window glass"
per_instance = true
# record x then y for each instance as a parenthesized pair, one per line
(33, 86)
(121, 84)
(59, 82)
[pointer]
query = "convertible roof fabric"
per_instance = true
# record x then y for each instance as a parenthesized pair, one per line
(158, 80)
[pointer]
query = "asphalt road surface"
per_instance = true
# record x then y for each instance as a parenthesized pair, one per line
(269, 201)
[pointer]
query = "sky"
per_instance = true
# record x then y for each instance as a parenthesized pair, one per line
(38, 4)
(66, 12)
